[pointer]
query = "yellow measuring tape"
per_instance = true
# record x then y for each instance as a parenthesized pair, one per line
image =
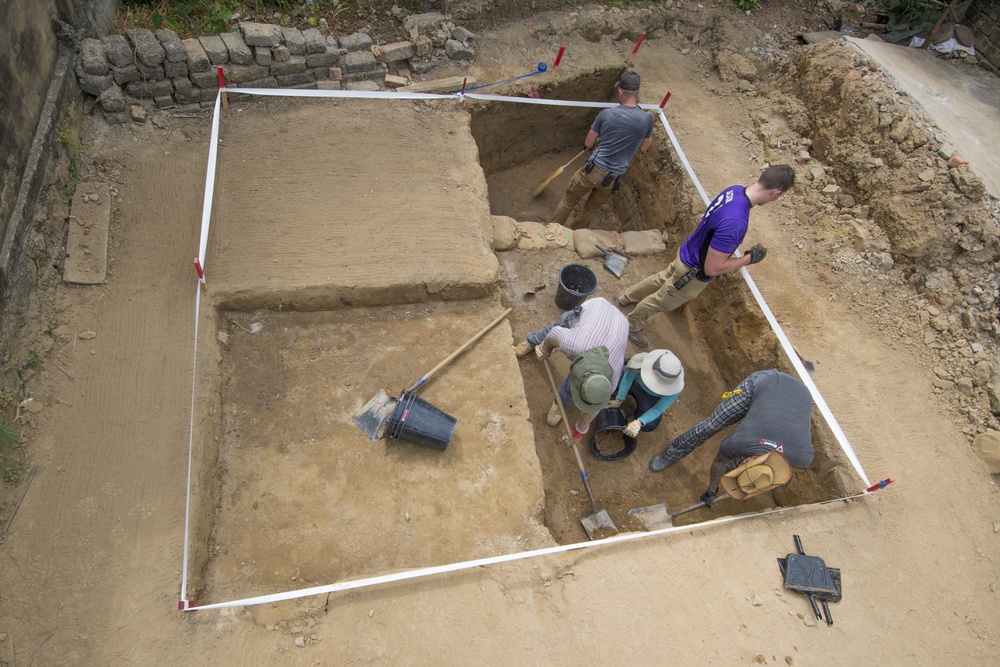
(730, 394)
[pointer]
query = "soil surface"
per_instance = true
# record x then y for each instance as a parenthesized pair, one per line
(351, 252)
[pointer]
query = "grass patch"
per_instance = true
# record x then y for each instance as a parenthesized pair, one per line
(13, 458)
(191, 18)
(68, 135)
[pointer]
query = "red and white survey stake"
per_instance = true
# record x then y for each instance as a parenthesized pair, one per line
(636, 49)
(201, 275)
(665, 98)
(222, 86)
(558, 57)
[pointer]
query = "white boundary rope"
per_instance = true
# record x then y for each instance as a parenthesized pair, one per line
(786, 345)
(494, 560)
(206, 217)
(185, 605)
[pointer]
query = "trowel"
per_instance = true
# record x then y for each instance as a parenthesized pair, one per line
(530, 293)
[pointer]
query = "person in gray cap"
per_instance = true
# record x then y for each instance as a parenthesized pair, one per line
(622, 131)
(655, 380)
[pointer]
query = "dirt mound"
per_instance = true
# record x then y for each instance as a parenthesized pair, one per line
(880, 206)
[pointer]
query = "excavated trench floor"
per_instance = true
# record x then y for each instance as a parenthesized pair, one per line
(342, 272)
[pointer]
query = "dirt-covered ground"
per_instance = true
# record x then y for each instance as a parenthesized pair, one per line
(881, 269)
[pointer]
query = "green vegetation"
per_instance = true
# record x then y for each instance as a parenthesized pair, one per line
(34, 359)
(190, 18)
(747, 5)
(13, 459)
(68, 136)
(913, 11)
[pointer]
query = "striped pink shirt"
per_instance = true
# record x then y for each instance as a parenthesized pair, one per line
(600, 323)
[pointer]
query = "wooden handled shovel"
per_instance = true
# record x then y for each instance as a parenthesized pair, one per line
(598, 523)
(555, 174)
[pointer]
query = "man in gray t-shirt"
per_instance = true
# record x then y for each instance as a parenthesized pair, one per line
(623, 130)
(774, 411)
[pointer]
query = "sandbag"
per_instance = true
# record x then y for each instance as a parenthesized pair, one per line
(586, 241)
(537, 235)
(505, 232)
(646, 242)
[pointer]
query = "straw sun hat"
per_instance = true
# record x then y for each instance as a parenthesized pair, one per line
(757, 475)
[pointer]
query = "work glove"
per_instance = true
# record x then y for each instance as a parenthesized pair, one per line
(632, 428)
(540, 352)
(709, 497)
(757, 253)
(614, 403)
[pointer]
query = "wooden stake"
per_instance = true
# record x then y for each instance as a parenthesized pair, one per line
(225, 98)
(927, 44)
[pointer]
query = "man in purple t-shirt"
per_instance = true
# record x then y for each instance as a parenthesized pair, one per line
(707, 252)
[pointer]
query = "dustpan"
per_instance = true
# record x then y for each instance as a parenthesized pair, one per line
(807, 574)
(810, 576)
(614, 261)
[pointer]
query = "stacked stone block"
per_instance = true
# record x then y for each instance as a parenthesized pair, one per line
(142, 66)
(984, 19)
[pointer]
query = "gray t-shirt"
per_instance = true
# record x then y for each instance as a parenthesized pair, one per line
(622, 130)
(779, 419)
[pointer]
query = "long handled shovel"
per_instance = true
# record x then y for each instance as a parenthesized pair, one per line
(554, 175)
(599, 519)
(373, 414)
(655, 517)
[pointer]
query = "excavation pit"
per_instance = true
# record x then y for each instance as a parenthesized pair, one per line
(324, 294)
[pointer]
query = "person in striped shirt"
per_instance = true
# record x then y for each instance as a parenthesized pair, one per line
(588, 334)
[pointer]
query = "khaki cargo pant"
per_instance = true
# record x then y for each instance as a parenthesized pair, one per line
(656, 294)
(582, 184)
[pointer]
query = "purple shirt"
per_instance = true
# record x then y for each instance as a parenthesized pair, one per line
(722, 227)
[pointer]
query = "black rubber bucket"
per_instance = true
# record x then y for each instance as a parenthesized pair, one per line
(576, 283)
(416, 420)
(608, 443)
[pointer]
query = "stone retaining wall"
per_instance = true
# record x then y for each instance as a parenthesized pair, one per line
(142, 66)
(984, 18)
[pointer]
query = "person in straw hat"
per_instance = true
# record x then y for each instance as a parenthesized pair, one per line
(774, 411)
(655, 380)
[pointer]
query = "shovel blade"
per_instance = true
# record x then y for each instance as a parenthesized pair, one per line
(372, 416)
(653, 517)
(599, 525)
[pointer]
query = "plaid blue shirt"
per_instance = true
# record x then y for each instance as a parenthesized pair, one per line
(730, 411)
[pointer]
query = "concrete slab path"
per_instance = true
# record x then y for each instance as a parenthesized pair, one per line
(964, 101)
